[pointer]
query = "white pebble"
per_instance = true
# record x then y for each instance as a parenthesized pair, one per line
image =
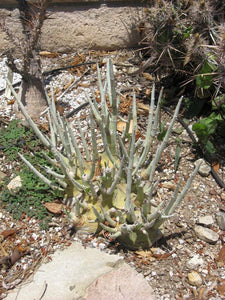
(102, 246)
(94, 244)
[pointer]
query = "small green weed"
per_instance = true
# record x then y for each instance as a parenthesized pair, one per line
(207, 127)
(34, 193)
(29, 200)
(16, 137)
(204, 79)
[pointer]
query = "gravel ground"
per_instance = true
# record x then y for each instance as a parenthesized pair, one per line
(184, 264)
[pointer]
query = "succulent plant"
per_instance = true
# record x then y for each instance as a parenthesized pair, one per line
(111, 189)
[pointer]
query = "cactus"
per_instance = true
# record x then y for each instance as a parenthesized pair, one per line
(110, 190)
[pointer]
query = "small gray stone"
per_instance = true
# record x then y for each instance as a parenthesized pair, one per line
(194, 262)
(206, 234)
(206, 220)
(204, 169)
(220, 218)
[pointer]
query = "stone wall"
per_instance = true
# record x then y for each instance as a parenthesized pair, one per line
(74, 26)
(13, 3)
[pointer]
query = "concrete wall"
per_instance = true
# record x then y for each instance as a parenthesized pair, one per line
(10, 3)
(73, 26)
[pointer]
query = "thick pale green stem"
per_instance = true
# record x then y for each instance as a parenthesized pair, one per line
(184, 191)
(151, 168)
(108, 218)
(156, 213)
(124, 134)
(93, 138)
(103, 96)
(67, 135)
(99, 217)
(113, 102)
(41, 176)
(91, 186)
(111, 82)
(129, 207)
(77, 150)
(123, 149)
(50, 160)
(116, 179)
(107, 228)
(87, 152)
(149, 133)
(65, 169)
(176, 201)
(157, 112)
(53, 173)
(103, 132)
(57, 126)
(170, 204)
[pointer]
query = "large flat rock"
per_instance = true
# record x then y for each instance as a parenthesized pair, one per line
(79, 273)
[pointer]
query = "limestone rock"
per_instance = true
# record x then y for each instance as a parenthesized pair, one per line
(194, 262)
(206, 234)
(204, 169)
(194, 278)
(220, 218)
(15, 185)
(206, 220)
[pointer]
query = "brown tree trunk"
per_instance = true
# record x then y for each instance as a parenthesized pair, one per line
(32, 91)
(33, 96)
